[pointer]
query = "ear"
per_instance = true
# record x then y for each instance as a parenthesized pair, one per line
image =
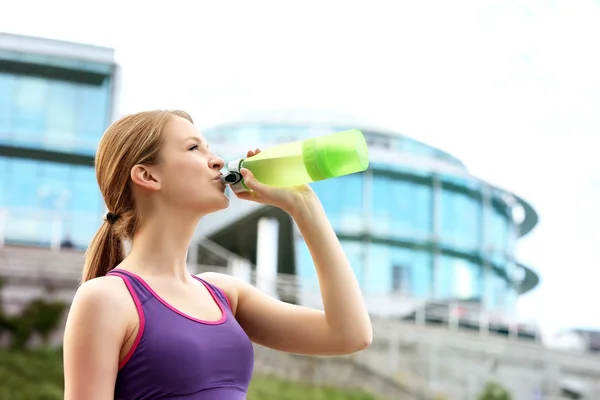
(143, 176)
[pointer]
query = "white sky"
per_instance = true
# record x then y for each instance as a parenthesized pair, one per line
(512, 88)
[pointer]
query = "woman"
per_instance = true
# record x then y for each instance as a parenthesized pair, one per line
(141, 327)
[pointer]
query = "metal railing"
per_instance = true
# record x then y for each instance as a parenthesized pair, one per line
(469, 329)
(64, 270)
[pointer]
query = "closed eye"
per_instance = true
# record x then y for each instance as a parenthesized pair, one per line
(194, 147)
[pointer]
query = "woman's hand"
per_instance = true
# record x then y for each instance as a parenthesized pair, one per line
(290, 200)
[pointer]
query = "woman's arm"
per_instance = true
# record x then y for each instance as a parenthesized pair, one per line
(344, 326)
(94, 334)
(345, 311)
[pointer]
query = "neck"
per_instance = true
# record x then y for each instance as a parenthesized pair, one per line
(160, 246)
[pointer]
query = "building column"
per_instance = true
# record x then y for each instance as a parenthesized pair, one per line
(367, 210)
(192, 258)
(486, 214)
(241, 269)
(436, 221)
(3, 223)
(267, 244)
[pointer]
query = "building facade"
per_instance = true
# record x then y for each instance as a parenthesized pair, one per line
(56, 100)
(416, 224)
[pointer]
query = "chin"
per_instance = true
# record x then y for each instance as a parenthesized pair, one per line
(216, 204)
(224, 203)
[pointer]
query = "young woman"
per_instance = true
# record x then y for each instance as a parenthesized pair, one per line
(140, 326)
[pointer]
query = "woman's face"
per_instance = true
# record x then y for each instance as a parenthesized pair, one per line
(188, 171)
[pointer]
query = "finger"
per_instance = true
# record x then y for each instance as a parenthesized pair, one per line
(251, 196)
(256, 151)
(250, 153)
(252, 183)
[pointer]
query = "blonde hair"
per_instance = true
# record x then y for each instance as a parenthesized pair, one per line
(134, 139)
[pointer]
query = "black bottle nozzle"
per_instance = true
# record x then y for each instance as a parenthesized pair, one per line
(231, 178)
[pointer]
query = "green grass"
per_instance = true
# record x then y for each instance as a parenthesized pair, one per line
(31, 376)
(38, 375)
(265, 388)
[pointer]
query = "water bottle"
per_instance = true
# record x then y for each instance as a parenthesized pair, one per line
(304, 161)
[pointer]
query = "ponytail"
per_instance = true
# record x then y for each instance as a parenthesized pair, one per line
(135, 139)
(104, 253)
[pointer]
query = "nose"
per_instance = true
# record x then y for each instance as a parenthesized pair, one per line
(217, 163)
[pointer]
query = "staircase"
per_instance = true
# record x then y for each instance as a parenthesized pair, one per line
(420, 357)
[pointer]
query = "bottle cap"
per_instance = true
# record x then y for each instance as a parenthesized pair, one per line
(234, 177)
(334, 155)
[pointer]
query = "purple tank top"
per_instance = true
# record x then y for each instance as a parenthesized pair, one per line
(176, 356)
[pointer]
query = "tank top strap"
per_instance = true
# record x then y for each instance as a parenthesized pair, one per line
(217, 291)
(133, 283)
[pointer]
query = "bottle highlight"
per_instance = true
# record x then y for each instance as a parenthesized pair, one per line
(302, 162)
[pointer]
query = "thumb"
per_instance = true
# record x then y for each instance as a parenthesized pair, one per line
(251, 182)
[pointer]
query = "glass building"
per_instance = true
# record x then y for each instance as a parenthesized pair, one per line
(56, 100)
(415, 224)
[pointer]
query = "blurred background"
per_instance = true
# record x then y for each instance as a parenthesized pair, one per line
(472, 232)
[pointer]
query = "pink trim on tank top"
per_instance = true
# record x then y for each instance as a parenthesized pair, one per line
(160, 299)
(140, 311)
(218, 288)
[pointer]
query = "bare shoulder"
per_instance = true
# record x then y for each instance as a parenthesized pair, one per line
(98, 322)
(217, 278)
(230, 285)
(104, 302)
(103, 292)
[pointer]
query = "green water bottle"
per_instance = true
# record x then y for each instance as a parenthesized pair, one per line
(304, 161)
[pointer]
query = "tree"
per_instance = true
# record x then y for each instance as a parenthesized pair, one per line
(38, 316)
(494, 391)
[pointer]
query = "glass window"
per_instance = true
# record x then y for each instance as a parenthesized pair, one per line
(93, 115)
(378, 140)
(498, 227)
(386, 263)
(87, 206)
(305, 270)
(495, 291)
(378, 269)
(62, 115)
(511, 298)
(342, 201)
(22, 183)
(511, 237)
(3, 182)
(460, 219)
(417, 266)
(29, 109)
(458, 278)
(80, 228)
(400, 208)
(47, 199)
(54, 114)
(53, 187)
(27, 228)
(86, 193)
(498, 259)
(354, 252)
(304, 265)
(401, 279)
(7, 84)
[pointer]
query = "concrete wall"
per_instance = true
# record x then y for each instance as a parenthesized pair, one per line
(458, 363)
(342, 372)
